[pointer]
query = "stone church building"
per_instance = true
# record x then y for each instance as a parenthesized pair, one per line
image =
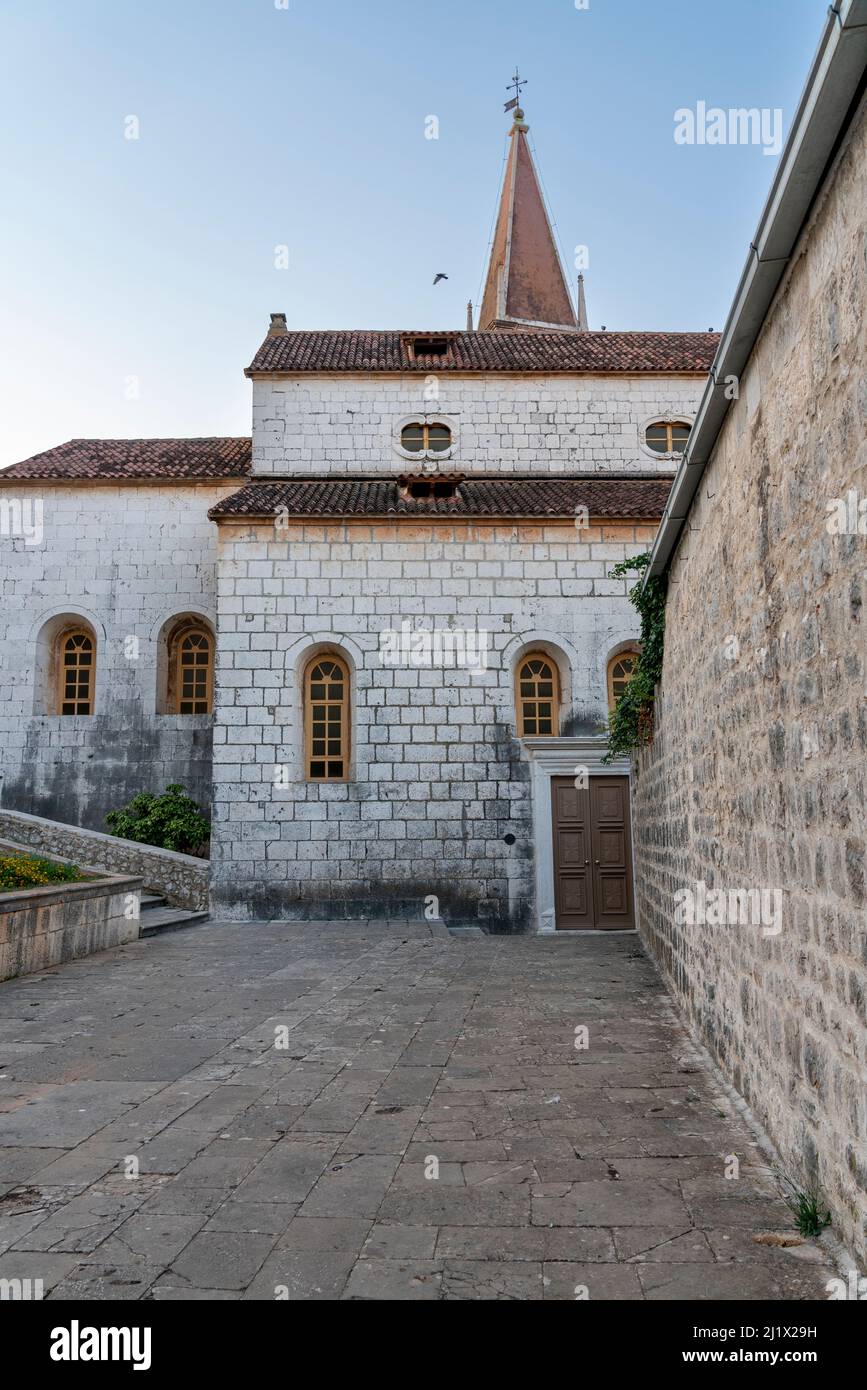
(377, 638)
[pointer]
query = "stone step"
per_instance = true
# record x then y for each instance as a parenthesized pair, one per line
(152, 900)
(155, 920)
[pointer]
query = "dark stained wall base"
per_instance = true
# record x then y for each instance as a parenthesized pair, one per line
(77, 774)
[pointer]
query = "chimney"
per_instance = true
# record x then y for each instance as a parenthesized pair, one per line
(470, 316)
(278, 325)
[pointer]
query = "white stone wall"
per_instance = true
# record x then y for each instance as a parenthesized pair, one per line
(438, 778)
(126, 558)
(501, 424)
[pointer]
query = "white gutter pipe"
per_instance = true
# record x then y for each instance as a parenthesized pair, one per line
(836, 75)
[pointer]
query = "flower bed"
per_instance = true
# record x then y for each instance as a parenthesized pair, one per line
(20, 871)
(54, 912)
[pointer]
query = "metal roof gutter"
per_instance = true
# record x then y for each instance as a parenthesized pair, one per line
(822, 117)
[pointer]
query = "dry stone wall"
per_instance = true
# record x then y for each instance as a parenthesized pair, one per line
(183, 878)
(757, 776)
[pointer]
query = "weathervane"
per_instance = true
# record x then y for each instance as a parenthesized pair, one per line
(517, 82)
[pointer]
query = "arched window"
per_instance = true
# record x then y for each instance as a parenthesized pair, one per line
(76, 671)
(194, 676)
(621, 669)
(186, 657)
(326, 720)
(667, 437)
(537, 699)
(65, 667)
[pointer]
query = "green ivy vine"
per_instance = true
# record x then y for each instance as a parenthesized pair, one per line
(631, 721)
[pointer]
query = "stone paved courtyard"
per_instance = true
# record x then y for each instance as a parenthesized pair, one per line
(300, 1171)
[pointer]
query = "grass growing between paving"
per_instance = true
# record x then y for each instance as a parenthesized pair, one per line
(21, 871)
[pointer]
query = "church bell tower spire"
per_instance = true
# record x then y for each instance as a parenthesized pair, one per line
(526, 286)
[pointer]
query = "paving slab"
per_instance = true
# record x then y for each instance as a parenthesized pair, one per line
(429, 1130)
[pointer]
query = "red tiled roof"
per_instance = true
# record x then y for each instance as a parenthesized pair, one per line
(113, 460)
(573, 352)
(475, 497)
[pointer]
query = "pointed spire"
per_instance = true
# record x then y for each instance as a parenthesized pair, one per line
(582, 306)
(526, 286)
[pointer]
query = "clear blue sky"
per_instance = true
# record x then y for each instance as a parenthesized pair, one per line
(304, 126)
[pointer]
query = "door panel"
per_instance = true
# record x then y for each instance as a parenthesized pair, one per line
(572, 869)
(611, 846)
(592, 854)
(574, 853)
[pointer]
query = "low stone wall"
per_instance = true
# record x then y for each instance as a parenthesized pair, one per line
(42, 927)
(182, 878)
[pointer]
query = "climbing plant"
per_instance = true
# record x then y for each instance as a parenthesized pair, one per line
(630, 723)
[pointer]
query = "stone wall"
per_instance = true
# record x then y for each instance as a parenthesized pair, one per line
(758, 771)
(182, 878)
(46, 926)
(127, 559)
(438, 777)
(500, 423)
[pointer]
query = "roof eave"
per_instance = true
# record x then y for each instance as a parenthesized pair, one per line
(821, 119)
(235, 480)
(264, 373)
(501, 517)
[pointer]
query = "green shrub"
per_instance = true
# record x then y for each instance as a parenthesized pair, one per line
(811, 1216)
(631, 721)
(170, 821)
(20, 871)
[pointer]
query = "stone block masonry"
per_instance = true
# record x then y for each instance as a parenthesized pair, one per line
(757, 776)
(438, 778)
(127, 558)
(182, 878)
(43, 927)
(500, 424)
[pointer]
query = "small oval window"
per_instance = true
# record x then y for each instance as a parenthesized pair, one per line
(419, 438)
(667, 437)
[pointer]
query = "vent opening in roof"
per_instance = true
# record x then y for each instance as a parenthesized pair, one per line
(431, 489)
(430, 347)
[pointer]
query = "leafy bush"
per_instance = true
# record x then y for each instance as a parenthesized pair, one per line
(631, 721)
(170, 821)
(20, 871)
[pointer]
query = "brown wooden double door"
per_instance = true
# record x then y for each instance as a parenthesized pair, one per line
(592, 854)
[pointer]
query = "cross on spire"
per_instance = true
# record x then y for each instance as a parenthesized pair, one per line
(517, 82)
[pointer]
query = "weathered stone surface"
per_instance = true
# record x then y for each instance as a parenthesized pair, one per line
(181, 877)
(757, 775)
(222, 1259)
(238, 1194)
(161, 541)
(395, 1280)
(41, 927)
(444, 811)
(69, 1113)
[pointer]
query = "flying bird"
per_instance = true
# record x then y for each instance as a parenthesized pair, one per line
(439, 276)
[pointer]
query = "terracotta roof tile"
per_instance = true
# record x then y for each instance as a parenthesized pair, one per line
(113, 460)
(475, 497)
(573, 352)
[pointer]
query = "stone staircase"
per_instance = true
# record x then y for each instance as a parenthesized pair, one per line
(158, 916)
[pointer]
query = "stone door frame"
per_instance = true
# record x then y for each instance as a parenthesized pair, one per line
(558, 757)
